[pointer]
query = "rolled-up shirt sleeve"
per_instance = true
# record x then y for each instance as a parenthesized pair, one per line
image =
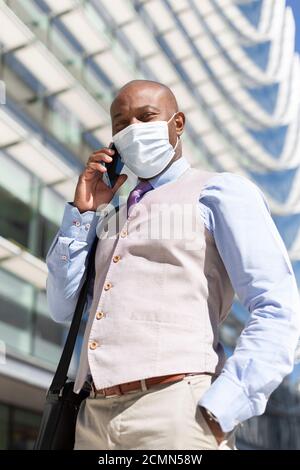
(66, 261)
(261, 274)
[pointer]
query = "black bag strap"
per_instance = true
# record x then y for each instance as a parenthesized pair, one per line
(61, 373)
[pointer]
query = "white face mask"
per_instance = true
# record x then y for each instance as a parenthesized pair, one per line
(145, 147)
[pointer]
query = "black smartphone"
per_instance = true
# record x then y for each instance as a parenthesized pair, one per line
(114, 168)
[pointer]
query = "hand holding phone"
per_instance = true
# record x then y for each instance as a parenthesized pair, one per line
(92, 190)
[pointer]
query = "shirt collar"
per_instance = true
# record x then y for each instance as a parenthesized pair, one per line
(171, 173)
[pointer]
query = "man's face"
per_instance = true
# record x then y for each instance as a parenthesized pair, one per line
(139, 103)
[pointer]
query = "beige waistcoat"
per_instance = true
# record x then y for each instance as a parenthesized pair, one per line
(161, 290)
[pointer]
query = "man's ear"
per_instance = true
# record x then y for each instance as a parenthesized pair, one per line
(179, 123)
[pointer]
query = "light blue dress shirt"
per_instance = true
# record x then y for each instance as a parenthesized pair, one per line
(235, 211)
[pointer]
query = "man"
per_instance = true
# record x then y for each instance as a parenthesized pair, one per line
(151, 345)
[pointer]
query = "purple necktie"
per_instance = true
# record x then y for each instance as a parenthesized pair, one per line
(135, 195)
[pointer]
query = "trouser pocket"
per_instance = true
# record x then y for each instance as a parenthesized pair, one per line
(198, 384)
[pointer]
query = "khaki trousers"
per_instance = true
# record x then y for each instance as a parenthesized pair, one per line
(165, 417)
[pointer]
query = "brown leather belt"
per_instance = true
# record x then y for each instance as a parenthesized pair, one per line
(144, 384)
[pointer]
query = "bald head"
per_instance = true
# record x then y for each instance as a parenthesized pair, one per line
(138, 87)
(145, 101)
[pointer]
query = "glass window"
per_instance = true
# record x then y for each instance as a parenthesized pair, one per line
(48, 336)
(15, 218)
(25, 425)
(47, 341)
(64, 51)
(4, 429)
(64, 126)
(16, 299)
(17, 212)
(18, 428)
(12, 172)
(31, 15)
(25, 323)
(50, 217)
(47, 232)
(51, 206)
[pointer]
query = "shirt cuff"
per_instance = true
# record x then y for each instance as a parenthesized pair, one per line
(79, 226)
(228, 402)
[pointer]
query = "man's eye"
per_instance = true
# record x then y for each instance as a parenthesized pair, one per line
(146, 116)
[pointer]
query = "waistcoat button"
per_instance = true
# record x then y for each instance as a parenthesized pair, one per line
(93, 345)
(107, 286)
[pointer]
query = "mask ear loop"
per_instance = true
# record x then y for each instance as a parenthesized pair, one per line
(171, 118)
(177, 135)
(178, 139)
